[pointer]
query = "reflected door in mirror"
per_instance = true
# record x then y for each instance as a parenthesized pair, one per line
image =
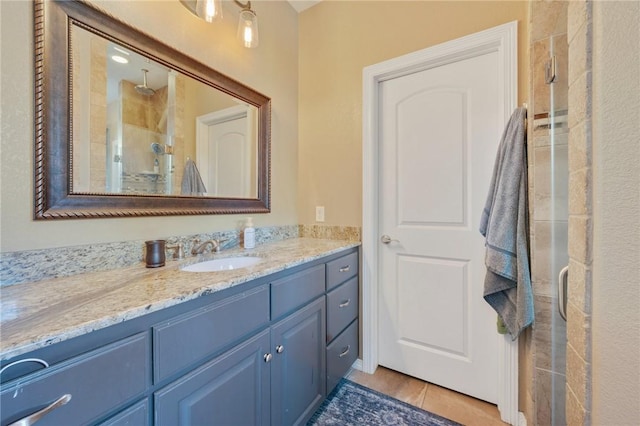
(225, 146)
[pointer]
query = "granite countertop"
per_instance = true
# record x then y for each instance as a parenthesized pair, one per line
(37, 314)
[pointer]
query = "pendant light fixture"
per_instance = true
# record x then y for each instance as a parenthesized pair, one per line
(247, 26)
(211, 10)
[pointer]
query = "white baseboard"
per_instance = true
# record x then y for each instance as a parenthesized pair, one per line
(522, 420)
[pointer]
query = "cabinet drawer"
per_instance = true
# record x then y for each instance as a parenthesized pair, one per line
(340, 270)
(138, 415)
(297, 289)
(341, 354)
(342, 307)
(183, 341)
(98, 382)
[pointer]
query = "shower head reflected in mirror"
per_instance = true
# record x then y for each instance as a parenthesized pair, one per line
(143, 89)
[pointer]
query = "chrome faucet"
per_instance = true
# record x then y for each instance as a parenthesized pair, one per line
(200, 248)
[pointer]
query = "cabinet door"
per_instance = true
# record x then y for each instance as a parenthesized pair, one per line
(232, 389)
(298, 368)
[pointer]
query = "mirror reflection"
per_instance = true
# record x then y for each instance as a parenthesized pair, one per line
(140, 128)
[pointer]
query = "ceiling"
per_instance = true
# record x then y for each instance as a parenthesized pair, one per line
(300, 5)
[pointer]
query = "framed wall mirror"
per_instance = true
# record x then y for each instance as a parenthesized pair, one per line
(128, 126)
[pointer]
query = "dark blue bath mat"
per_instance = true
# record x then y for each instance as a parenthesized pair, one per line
(352, 404)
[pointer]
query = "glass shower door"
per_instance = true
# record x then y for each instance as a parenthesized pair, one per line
(559, 215)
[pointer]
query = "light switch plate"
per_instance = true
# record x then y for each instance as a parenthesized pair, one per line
(319, 213)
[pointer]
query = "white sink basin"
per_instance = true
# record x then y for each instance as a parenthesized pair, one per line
(224, 264)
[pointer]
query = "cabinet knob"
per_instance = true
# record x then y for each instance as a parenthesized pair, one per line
(267, 357)
(279, 349)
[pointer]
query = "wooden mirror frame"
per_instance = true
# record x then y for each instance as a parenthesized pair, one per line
(54, 198)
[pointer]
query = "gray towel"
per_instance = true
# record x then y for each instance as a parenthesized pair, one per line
(191, 181)
(504, 224)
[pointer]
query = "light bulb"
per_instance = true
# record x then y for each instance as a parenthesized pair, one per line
(248, 34)
(209, 10)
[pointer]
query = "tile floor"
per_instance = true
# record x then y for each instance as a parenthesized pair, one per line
(435, 399)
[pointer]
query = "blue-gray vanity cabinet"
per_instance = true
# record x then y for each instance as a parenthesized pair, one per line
(232, 389)
(98, 382)
(298, 384)
(208, 330)
(254, 354)
(276, 377)
(342, 313)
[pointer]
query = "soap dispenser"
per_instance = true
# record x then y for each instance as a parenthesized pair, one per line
(249, 235)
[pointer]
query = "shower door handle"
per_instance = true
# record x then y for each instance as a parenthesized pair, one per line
(562, 292)
(550, 70)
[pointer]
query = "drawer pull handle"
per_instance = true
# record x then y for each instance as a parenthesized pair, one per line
(345, 268)
(20, 361)
(344, 304)
(345, 351)
(279, 349)
(29, 420)
(267, 357)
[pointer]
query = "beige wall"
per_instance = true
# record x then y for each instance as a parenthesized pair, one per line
(337, 40)
(271, 69)
(616, 219)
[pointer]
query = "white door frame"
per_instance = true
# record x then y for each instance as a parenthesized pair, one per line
(501, 39)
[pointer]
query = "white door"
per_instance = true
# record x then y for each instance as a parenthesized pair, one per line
(228, 152)
(439, 131)
(224, 152)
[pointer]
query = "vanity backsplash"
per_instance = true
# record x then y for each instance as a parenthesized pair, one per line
(35, 265)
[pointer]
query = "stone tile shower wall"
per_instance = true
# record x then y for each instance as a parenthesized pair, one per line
(580, 35)
(98, 83)
(90, 94)
(141, 126)
(545, 345)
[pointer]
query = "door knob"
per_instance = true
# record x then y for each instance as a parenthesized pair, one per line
(385, 239)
